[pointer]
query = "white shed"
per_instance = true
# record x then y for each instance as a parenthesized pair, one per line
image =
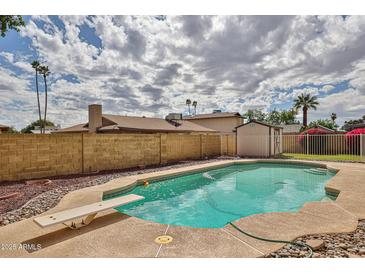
(259, 139)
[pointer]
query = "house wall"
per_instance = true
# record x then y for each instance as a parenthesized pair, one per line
(223, 125)
(27, 156)
(253, 140)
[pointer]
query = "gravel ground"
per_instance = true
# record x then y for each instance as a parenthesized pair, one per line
(36, 199)
(340, 245)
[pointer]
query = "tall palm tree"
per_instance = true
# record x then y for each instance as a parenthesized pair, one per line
(305, 102)
(195, 103)
(333, 117)
(188, 103)
(45, 72)
(36, 65)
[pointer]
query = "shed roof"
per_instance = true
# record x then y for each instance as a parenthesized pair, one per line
(260, 123)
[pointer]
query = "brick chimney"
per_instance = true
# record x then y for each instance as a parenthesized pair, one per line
(95, 120)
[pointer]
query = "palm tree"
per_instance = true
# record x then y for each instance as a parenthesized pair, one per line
(305, 102)
(333, 117)
(36, 65)
(45, 72)
(188, 103)
(195, 103)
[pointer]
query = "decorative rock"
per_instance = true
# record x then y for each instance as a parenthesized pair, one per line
(350, 255)
(315, 244)
(361, 251)
(8, 196)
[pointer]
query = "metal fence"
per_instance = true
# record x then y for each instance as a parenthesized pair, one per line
(325, 147)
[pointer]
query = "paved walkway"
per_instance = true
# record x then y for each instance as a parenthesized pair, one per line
(117, 235)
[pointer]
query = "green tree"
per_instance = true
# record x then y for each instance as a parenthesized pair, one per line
(279, 117)
(11, 22)
(255, 114)
(33, 125)
(288, 117)
(305, 102)
(347, 124)
(43, 70)
(328, 123)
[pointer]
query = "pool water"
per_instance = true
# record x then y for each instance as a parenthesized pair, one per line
(213, 198)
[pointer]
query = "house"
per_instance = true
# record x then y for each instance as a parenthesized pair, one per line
(108, 123)
(48, 129)
(292, 129)
(4, 128)
(259, 139)
(223, 122)
(326, 129)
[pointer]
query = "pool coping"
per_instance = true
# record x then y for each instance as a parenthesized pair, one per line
(337, 216)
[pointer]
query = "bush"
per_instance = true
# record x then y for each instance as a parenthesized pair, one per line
(353, 140)
(316, 143)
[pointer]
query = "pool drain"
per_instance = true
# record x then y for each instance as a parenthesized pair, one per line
(164, 239)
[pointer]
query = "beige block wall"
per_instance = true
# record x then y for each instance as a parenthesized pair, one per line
(182, 147)
(26, 156)
(118, 151)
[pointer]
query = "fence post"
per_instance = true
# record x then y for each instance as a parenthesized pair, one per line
(307, 144)
(163, 148)
(361, 148)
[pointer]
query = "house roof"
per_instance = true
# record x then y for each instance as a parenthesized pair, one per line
(322, 127)
(4, 126)
(260, 123)
(213, 115)
(144, 124)
(293, 128)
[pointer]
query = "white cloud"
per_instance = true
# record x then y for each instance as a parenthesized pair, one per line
(150, 67)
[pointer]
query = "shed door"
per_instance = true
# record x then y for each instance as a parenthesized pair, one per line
(276, 141)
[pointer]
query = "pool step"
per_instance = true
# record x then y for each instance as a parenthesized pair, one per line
(317, 171)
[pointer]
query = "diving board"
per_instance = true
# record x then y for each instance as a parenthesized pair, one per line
(87, 211)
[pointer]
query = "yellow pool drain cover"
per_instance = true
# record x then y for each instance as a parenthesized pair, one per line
(164, 239)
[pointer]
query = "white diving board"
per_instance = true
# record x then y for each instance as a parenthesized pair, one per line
(89, 211)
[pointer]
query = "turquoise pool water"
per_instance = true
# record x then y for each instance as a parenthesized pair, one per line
(212, 198)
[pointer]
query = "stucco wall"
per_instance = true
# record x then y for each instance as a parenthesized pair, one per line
(26, 156)
(223, 125)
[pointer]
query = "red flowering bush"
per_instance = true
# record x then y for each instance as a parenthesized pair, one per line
(353, 140)
(315, 141)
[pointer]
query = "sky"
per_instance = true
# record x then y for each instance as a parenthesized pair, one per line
(150, 65)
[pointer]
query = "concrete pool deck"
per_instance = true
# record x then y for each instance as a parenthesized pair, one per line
(113, 234)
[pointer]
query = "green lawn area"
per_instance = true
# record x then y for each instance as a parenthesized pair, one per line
(336, 157)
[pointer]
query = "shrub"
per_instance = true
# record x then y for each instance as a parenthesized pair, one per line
(353, 140)
(316, 143)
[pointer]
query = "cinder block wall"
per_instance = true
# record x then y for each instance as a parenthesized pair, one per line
(27, 156)
(34, 156)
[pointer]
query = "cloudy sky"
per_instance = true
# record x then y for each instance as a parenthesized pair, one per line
(150, 65)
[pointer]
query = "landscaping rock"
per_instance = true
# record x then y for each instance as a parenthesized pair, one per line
(362, 251)
(341, 245)
(315, 244)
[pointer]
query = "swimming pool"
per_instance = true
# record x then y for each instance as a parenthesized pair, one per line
(212, 198)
